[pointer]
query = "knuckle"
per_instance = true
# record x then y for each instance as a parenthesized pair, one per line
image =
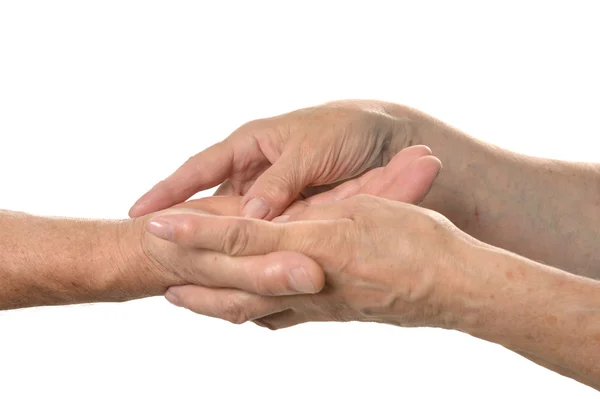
(279, 187)
(235, 239)
(426, 220)
(186, 231)
(234, 312)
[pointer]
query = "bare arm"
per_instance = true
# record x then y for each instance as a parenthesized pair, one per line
(53, 261)
(404, 265)
(543, 209)
(544, 314)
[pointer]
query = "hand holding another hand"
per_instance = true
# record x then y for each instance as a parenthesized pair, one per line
(384, 261)
(271, 161)
(358, 241)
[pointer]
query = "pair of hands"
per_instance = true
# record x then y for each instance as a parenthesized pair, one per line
(340, 254)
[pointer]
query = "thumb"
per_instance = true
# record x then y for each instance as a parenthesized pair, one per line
(410, 184)
(275, 189)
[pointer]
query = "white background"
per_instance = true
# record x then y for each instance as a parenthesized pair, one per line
(101, 99)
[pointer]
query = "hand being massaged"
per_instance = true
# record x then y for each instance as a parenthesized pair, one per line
(264, 260)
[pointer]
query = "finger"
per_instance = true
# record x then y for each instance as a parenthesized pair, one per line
(343, 191)
(275, 189)
(203, 171)
(236, 236)
(369, 182)
(395, 168)
(380, 182)
(228, 304)
(277, 273)
(411, 185)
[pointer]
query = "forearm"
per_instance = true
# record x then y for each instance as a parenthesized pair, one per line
(542, 313)
(53, 261)
(543, 209)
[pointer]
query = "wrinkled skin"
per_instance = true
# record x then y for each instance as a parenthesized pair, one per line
(383, 261)
(286, 157)
(407, 178)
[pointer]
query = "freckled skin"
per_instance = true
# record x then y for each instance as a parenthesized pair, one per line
(467, 285)
(545, 210)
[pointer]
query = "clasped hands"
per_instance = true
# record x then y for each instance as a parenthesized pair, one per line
(360, 250)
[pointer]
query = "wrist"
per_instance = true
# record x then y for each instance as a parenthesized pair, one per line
(538, 311)
(465, 161)
(471, 288)
(458, 290)
(501, 297)
(133, 273)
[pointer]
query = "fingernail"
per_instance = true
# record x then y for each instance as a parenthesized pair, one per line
(256, 208)
(281, 219)
(301, 282)
(173, 298)
(161, 227)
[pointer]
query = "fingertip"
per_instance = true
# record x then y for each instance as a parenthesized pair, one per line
(428, 164)
(137, 210)
(150, 202)
(403, 160)
(281, 219)
(133, 212)
(299, 274)
(162, 227)
(418, 150)
(256, 208)
(275, 189)
(424, 171)
(173, 296)
(314, 272)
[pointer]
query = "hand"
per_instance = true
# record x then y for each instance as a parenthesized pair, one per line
(384, 261)
(164, 264)
(271, 161)
(408, 177)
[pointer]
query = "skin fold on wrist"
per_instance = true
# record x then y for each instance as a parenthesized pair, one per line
(61, 261)
(138, 274)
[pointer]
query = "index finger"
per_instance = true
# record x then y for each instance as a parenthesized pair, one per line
(201, 172)
(238, 236)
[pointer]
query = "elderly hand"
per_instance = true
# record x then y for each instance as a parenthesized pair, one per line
(384, 261)
(271, 161)
(408, 177)
(279, 273)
